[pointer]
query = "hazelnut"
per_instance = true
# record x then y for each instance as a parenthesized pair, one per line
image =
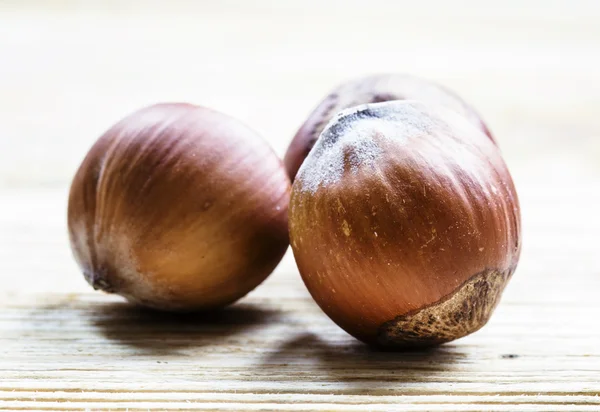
(179, 207)
(372, 89)
(405, 224)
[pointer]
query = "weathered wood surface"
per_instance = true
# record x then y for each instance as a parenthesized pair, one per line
(68, 72)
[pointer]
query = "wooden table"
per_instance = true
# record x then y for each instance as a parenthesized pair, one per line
(68, 71)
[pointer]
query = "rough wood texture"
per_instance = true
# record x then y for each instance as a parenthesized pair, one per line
(68, 72)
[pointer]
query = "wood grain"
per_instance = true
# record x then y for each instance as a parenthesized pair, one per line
(70, 69)
(64, 347)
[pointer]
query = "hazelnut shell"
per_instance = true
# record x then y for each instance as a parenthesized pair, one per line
(372, 89)
(179, 207)
(405, 224)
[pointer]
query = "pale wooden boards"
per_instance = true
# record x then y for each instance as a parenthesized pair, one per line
(65, 347)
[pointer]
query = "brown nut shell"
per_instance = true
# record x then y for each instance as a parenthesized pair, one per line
(372, 89)
(179, 207)
(405, 224)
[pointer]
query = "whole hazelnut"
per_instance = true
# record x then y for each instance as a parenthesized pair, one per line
(179, 207)
(372, 89)
(405, 224)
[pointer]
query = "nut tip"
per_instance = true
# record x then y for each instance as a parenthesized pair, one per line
(99, 281)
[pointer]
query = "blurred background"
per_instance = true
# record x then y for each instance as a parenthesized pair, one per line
(70, 69)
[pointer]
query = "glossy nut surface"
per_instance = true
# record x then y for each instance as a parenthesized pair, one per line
(405, 224)
(179, 207)
(372, 89)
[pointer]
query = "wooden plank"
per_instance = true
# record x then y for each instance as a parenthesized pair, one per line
(65, 347)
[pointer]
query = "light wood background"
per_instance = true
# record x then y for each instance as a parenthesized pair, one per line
(69, 69)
